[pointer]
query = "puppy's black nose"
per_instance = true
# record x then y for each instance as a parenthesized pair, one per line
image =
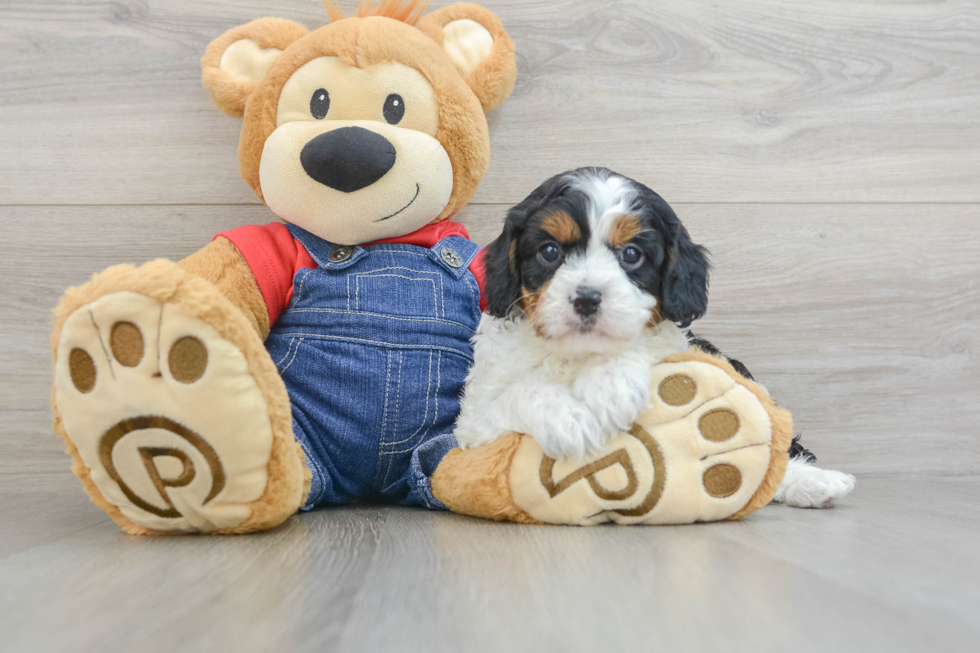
(587, 301)
(348, 159)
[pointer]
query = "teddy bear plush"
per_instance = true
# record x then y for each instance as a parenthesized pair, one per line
(321, 359)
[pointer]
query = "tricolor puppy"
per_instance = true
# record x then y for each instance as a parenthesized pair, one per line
(593, 281)
(590, 284)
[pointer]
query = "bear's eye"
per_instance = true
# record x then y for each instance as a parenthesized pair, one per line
(394, 109)
(320, 103)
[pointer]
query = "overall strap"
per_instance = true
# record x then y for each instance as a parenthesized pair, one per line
(454, 254)
(326, 254)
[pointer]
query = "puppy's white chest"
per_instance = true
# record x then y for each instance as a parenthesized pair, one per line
(563, 370)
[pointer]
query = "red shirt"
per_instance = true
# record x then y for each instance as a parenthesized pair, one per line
(275, 257)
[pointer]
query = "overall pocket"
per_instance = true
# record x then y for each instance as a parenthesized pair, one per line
(398, 290)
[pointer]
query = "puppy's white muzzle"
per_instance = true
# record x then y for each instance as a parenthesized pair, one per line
(591, 300)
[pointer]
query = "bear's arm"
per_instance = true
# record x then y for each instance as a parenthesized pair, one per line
(223, 265)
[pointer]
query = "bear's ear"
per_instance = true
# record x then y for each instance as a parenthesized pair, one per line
(237, 61)
(478, 46)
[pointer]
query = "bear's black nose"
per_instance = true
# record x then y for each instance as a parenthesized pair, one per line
(348, 159)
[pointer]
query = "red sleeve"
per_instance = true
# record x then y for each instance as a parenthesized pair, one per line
(479, 269)
(274, 257)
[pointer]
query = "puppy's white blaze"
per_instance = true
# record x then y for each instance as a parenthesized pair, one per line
(609, 196)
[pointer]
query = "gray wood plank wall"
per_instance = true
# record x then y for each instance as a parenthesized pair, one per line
(827, 152)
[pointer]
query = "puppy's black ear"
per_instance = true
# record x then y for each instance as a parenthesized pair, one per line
(685, 294)
(503, 268)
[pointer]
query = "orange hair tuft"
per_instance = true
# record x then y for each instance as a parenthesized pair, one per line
(407, 12)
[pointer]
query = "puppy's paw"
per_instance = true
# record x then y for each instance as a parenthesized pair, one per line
(807, 486)
(565, 427)
(616, 393)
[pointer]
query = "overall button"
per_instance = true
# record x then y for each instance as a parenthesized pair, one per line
(452, 257)
(340, 253)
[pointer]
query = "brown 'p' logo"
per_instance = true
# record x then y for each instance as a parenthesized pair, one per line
(619, 457)
(149, 455)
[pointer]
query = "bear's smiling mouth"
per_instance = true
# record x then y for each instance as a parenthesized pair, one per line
(417, 191)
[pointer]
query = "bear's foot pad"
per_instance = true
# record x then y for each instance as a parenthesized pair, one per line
(703, 451)
(164, 414)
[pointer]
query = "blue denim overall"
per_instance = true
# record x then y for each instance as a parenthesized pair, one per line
(374, 349)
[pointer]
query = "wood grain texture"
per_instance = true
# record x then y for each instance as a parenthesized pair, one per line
(756, 100)
(894, 570)
(35, 516)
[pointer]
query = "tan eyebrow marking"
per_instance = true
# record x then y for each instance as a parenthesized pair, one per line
(624, 228)
(562, 226)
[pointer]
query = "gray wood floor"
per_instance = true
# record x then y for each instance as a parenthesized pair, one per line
(828, 153)
(893, 569)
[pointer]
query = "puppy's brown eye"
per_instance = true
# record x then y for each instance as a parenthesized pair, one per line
(394, 109)
(630, 258)
(549, 253)
(320, 103)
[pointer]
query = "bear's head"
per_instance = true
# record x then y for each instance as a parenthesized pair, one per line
(371, 126)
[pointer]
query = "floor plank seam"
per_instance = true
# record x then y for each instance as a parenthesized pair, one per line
(55, 538)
